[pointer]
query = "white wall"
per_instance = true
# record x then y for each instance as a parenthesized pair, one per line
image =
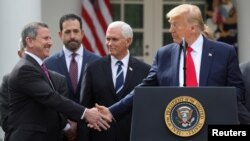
(14, 15)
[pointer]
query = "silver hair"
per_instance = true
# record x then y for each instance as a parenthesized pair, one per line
(30, 30)
(127, 31)
(21, 47)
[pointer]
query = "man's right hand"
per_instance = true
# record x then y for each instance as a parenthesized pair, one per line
(95, 119)
(105, 114)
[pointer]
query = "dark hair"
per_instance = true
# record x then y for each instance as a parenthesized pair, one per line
(69, 17)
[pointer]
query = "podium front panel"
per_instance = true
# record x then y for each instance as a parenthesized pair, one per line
(148, 123)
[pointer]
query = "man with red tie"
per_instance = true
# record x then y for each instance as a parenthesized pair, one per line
(215, 63)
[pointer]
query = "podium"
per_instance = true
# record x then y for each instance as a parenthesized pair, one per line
(150, 106)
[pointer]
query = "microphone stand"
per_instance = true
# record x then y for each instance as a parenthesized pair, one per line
(184, 46)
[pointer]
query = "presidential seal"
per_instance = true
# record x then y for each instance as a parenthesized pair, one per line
(184, 116)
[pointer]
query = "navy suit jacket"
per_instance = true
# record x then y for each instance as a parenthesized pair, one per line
(98, 87)
(219, 67)
(57, 63)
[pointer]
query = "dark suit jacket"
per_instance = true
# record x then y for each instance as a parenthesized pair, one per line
(59, 83)
(4, 104)
(98, 87)
(35, 105)
(57, 63)
(219, 67)
(245, 69)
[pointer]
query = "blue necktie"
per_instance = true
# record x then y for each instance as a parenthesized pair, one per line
(119, 77)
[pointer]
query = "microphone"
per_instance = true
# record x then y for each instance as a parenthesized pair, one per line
(184, 47)
(184, 43)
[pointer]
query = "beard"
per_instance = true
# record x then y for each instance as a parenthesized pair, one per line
(73, 45)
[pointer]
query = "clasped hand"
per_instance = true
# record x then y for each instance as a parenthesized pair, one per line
(98, 117)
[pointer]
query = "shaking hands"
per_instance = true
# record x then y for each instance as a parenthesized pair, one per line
(98, 117)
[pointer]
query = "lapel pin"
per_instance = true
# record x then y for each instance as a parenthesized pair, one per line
(131, 69)
(210, 54)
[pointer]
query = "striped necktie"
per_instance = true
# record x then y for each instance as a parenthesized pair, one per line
(119, 77)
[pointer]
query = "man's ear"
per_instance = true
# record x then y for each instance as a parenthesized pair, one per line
(129, 41)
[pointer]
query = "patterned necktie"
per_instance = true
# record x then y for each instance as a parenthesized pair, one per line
(73, 71)
(45, 70)
(191, 79)
(119, 77)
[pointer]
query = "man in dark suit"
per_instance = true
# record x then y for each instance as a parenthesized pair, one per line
(215, 63)
(34, 103)
(4, 104)
(57, 79)
(71, 34)
(4, 95)
(98, 85)
(245, 70)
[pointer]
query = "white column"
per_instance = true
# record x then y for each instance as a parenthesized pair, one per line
(14, 15)
(243, 30)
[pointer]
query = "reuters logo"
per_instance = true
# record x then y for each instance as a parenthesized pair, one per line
(184, 116)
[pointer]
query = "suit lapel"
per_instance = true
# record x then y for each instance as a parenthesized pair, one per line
(175, 59)
(86, 58)
(206, 62)
(34, 62)
(129, 75)
(53, 80)
(63, 69)
(62, 65)
(106, 65)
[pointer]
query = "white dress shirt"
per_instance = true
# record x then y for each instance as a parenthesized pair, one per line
(197, 47)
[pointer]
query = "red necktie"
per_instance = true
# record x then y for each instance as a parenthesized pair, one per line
(73, 71)
(45, 70)
(191, 79)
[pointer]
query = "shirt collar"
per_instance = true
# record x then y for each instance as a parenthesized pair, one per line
(68, 52)
(197, 45)
(38, 60)
(124, 60)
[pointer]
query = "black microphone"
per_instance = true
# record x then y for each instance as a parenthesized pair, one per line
(184, 47)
